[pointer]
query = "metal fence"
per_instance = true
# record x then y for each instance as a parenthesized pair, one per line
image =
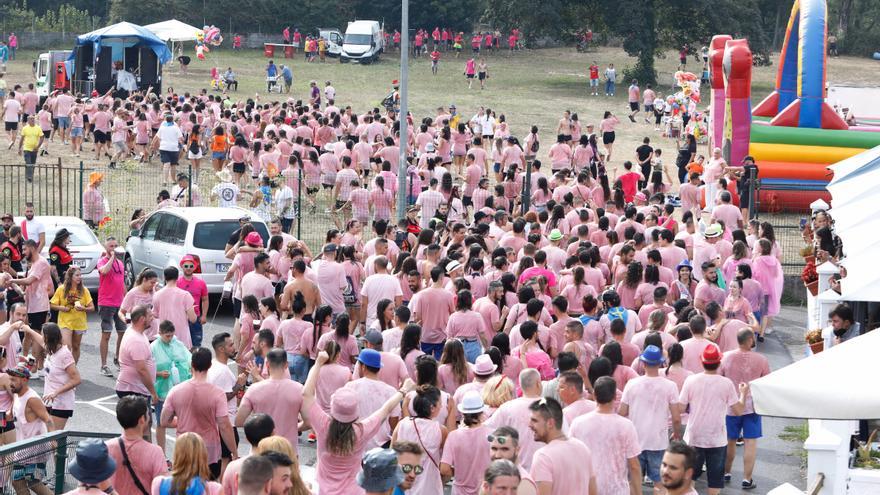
(47, 454)
(53, 190)
(787, 209)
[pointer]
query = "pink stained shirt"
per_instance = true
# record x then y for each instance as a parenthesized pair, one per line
(333, 377)
(291, 332)
(348, 348)
(516, 414)
(199, 407)
(111, 286)
(336, 474)
(577, 409)
(372, 396)
(196, 288)
(743, 367)
(467, 451)
(448, 382)
(134, 347)
(172, 303)
(281, 399)
(709, 396)
(59, 361)
(648, 399)
(612, 439)
(147, 461)
(567, 464)
(693, 352)
(331, 283)
(377, 287)
(465, 325)
(433, 306)
(37, 294)
(257, 285)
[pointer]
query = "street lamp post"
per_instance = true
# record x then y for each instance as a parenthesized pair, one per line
(404, 100)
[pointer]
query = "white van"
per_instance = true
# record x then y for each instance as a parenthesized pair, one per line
(364, 41)
(333, 39)
(49, 75)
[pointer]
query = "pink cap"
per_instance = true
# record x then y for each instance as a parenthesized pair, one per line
(254, 239)
(344, 406)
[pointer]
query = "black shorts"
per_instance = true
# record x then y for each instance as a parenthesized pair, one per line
(36, 320)
(311, 190)
(327, 186)
(225, 453)
(110, 318)
(481, 76)
(634, 106)
(170, 157)
(48, 133)
(238, 168)
(61, 413)
(607, 137)
(12, 126)
(339, 204)
(469, 76)
(649, 108)
(566, 137)
(236, 307)
(101, 136)
(466, 201)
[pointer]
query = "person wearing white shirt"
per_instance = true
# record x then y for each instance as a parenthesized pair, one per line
(285, 205)
(169, 138)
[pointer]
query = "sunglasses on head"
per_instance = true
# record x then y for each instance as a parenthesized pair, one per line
(501, 440)
(412, 468)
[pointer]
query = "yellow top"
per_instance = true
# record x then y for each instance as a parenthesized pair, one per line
(73, 319)
(31, 135)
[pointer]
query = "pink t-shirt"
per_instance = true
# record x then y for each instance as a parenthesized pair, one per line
(648, 398)
(257, 285)
(336, 474)
(111, 286)
(567, 464)
(743, 367)
(729, 214)
(172, 304)
(331, 282)
(467, 451)
(377, 287)
(37, 294)
(709, 396)
(147, 461)
(333, 377)
(11, 109)
(517, 415)
(348, 348)
(372, 395)
(693, 352)
(465, 325)
(134, 347)
(291, 332)
(282, 400)
(577, 409)
(434, 306)
(197, 289)
(58, 376)
(448, 382)
(612, 439)
(199, 407)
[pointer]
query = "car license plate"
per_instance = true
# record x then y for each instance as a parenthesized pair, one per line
(223, 267)
(80, 263)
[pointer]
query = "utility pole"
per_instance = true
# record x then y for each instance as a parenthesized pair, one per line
(404, 97)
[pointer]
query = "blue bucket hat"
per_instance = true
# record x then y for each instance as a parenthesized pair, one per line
(652, 356)
(371, 358)
(92, 463)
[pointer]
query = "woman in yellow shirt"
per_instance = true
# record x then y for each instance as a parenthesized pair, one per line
(72, 301)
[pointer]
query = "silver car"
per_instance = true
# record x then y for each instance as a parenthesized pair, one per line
(167, 235)
(84, 246)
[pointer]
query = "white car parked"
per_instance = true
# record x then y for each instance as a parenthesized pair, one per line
(85, 248)
(169, 234)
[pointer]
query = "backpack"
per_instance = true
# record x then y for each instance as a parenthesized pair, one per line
(401, 238)
(535, 146)
(349, 296)
(388, 101)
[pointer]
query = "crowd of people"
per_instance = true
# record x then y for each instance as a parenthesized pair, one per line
(576, 326)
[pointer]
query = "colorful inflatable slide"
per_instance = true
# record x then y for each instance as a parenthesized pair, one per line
(793, 134)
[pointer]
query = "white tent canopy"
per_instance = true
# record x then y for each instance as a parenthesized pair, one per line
(834, 384)
(174, 31)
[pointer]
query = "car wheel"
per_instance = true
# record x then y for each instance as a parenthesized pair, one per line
(128, 275)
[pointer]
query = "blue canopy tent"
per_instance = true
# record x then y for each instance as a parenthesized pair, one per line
(117, 54)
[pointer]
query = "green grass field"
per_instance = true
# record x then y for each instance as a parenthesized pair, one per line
(531, 87)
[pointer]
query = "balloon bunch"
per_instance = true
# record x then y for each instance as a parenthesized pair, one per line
(689, 92)
(210, 35)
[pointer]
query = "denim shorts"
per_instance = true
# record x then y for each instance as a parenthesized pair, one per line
(714, 459)
(650, 461)
(63, 122)
(76, 132)
(745, 426)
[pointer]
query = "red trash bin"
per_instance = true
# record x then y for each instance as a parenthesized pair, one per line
(268, 50)
(288, 51)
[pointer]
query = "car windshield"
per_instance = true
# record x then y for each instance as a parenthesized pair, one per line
(358, 39)
(80, 235)
(213, 235)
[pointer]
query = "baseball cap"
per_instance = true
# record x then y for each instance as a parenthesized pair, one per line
(371, 358)
(20, 371)
(6, 215)
(711, 355)
(329, 248)
(373, 336)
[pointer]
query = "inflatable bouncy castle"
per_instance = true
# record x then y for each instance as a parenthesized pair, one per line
(793, 134)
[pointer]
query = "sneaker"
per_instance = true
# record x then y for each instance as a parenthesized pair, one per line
(632, 119)
(749, 484)
(760, 338)
(105, 370)
(740, 442)
(727, 477)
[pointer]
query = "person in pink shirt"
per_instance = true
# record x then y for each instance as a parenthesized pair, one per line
(564, 465)
(678, 469)
(342, 336)
(137, 369)
(709, 396)
(515, 414)
(649, 401)
(278, 396)
(633, 94)
(560, 154)
(470, 70)
(342, 434)
(570, 388)
(200, 407)
(63, 102)
(743, 365)
(466, 453)
(175, 305)
(37, 285)
(708, 290)
(606, 127)
(146, 459)
(431, 307)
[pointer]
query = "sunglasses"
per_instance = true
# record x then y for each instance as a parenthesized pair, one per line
(188, 265)
(501, 440)
(412, 468)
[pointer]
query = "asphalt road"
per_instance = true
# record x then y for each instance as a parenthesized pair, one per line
(777, 458)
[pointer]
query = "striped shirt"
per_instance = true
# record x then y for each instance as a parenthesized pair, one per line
(381, 200)
(360, 203)
(343, 181)
(429, 200)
